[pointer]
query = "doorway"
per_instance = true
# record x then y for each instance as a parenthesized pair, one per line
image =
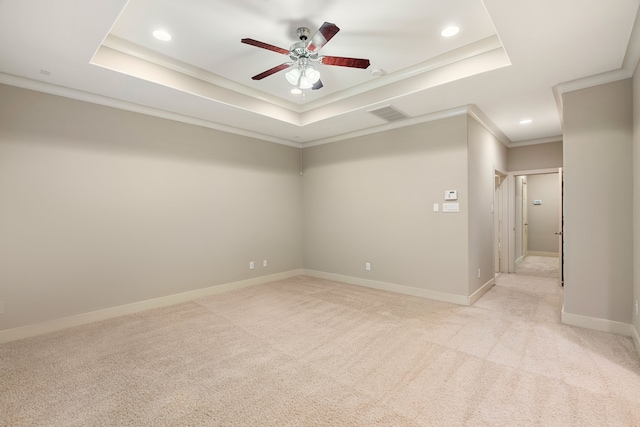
(535, 219)
(499, 210)
(524, 220)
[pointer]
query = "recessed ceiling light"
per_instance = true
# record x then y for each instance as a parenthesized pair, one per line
(296, 91)
(525, 121)
(162, 35)
(450, 31)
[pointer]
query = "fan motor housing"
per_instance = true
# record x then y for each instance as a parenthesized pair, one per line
(303, 33)
(299, 49)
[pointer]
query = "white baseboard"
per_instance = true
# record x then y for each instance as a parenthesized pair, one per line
(597, 324)
(108, 313)
(483, 289)
(391, 287)
(538, 253)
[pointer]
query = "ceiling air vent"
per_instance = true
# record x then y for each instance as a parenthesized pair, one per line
(388, 113)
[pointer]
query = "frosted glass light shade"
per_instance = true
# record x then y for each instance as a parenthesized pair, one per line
(293, 76)
(312, 75)
(305, 83)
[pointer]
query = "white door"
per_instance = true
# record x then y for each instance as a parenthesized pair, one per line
(498, 229)
(560, 232)
(525, 220)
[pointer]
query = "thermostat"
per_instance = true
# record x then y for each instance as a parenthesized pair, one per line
(451, 195)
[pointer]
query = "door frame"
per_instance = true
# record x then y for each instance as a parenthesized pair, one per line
(511, 179)
(500, 210)
(524, 212)
(560, 232)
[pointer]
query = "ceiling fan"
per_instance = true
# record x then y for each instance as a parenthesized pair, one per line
(302, 74)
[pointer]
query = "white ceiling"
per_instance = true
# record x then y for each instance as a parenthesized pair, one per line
(508, 62)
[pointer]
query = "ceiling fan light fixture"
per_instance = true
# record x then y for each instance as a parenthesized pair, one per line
(303, 78)
(301, 74)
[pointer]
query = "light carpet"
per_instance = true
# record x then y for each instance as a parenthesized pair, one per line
(311, 352)
(539, 266)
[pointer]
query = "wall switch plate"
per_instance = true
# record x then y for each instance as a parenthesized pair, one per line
(264, 263)
(436, 207)
(252, 265)
(478, 273)
(367, 266)
(451, 207)
(636, 307)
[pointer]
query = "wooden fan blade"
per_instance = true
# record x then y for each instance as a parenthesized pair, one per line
(322, 36)
(345, 62)
(267, 46)
(317, 85)
(272, 71)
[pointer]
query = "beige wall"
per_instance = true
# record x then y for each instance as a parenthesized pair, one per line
(102, 207)
(597, 204)
(485, 154)
(636, 198)
(543, 219)
(538, 156)
(370, 199)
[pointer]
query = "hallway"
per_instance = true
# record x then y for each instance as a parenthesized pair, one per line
(541, 266)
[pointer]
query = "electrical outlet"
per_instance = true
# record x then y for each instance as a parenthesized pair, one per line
(252, 265)
(264, 263)
(367, 266)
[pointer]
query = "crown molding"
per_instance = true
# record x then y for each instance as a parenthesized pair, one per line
(486, 122)
(627, 70)
(536, 141)
(490, 48)
(595, 80)
(390, 126)
(471, 110)
(79, 95)
(106, 101)
(130, 50)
